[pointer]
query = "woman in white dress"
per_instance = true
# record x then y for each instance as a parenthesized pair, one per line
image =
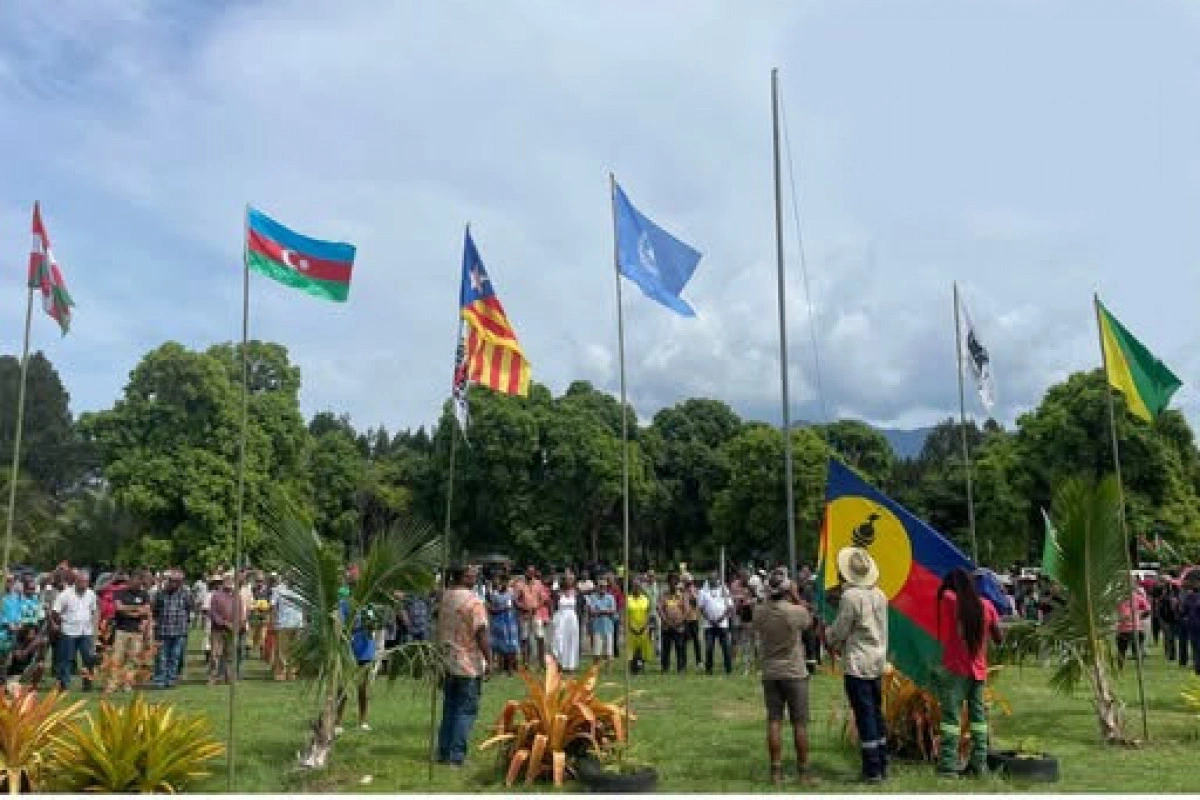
(565, 645)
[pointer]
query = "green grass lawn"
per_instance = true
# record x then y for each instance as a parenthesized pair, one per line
(704, 734)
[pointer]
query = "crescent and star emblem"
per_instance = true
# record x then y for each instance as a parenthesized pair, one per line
(290, 258)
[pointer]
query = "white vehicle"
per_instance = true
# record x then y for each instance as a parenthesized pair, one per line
(1141, 575)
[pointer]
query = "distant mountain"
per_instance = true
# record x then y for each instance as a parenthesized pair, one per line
(907, 444)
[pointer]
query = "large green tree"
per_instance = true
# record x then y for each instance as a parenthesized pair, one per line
(749, 514)
(170, 446)
(51, 454)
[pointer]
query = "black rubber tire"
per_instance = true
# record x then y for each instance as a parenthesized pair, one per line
(592, 775)
(1041, 770)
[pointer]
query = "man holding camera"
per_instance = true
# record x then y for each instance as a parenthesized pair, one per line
(778, 625)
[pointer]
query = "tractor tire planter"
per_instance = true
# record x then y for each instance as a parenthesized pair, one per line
(1039, 768)
(593, 775)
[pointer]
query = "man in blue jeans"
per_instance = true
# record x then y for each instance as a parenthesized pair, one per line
(860, 636)
(75, 615)
(462, 631)
(171, 609)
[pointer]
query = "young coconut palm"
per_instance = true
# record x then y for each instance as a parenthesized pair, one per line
(404, 558)
(1093, 582)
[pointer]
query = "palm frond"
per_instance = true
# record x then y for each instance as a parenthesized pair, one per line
(404, 557)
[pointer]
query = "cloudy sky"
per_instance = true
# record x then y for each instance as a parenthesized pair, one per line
(1033, 150)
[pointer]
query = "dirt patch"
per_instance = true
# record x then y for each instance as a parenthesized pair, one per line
(737, 713)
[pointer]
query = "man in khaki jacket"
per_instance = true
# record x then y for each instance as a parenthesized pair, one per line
(860, 635)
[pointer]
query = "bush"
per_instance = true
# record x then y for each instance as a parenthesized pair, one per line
(557, 719)
(138, 748)
(28, 725)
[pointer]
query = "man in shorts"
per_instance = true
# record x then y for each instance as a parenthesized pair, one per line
(779, 623)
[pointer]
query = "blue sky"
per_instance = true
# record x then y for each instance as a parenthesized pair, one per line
(1034, 151)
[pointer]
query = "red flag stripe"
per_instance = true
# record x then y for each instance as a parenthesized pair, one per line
(313, 267)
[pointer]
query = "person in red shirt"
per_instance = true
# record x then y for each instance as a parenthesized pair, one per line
(965, 622)
(1129, 627)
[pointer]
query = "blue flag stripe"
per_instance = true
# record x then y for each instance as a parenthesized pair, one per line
(290, 240)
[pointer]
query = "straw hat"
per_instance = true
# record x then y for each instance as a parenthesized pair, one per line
(857, 567)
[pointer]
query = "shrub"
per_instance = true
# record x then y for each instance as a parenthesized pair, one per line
(913, 716)
(28, 725)
(109, 674)
(140, 747)
(558, 718)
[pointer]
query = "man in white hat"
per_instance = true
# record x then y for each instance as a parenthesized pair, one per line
(860, 635)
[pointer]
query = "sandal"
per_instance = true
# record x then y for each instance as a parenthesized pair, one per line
(777, 774)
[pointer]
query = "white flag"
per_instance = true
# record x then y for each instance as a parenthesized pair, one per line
(976, 355)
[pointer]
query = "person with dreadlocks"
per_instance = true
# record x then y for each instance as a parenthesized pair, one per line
(965, 622)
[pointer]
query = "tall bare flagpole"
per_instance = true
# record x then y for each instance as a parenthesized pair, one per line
(783, 350)
(241, 495)
(962, 417)
(16, 459)
(1112, 423)
(612, 193)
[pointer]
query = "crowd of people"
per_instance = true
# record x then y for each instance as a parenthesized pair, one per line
(486, 623)
(768, 617)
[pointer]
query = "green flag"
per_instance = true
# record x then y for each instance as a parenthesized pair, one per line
(1146, 382)
(1051, 555)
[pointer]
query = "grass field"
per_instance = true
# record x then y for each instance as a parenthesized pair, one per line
(704, 734)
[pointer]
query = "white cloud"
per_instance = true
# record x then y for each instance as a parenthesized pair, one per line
(145, 128)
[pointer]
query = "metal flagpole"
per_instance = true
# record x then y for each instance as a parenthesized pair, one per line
(1112, 423)
(962, 417)
(241, 493)
(783, 352)
(454, 433)
(612, 193)
(16, 459)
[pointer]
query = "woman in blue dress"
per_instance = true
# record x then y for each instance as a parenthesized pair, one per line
(502, 612)
(503, 623)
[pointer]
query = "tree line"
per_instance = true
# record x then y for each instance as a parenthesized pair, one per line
(153, 479)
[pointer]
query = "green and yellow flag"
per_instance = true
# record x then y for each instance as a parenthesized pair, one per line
(1146, 382)
(1051, 554)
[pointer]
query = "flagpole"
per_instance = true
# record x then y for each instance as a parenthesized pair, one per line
(241, 492)
(790, 500)
(962, 417)
(16, 459)
(1112, 423)
(454, 432)
(612, 193)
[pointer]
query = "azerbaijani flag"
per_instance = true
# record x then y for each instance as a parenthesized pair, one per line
(318, 267)
(912, 557)
(1146, 382)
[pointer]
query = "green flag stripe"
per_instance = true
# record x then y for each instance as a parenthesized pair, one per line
(1152, 379)
(328, 290)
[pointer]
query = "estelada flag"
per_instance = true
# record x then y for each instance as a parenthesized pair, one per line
(491, 355)
(912, 557)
